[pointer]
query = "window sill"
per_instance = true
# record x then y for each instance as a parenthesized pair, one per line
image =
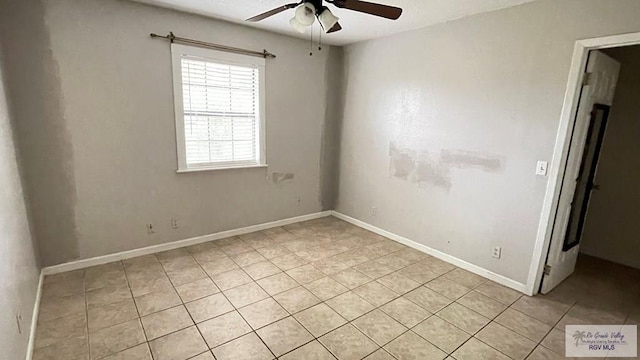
(182, 171)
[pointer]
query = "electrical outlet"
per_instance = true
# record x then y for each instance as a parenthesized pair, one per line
(497, 252)
(19, 322)
(150, 229)
(174, 223)
(374, 211)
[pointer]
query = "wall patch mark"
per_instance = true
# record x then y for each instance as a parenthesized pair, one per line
(464, 159)
(425, 169)
(277, 177)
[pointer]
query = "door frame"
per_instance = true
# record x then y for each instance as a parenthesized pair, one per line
(561, 149)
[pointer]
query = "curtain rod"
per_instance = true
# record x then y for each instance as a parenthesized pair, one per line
(172, 38)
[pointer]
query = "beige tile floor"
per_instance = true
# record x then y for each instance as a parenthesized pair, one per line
(321, 289)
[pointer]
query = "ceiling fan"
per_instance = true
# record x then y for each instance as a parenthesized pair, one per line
(308, 10)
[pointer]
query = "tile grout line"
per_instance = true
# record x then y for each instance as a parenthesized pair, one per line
(234, 307)
(86, 308)
(482, 328)
(493, 320)
(410, 329)
(221, 292)
(490, 321)
(291, 315)
(288, 312)
(321, 301)
(270, 296)
(554, 326)
(238, 309)
(133, 298)
(324, 301)
(182, 303)
(139, 318)
(350, 322)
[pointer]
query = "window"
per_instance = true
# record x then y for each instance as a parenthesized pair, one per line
(219, 108)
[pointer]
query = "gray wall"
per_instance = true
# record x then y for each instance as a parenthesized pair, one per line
(18, 267)
(443, 126)
(612, 228)
(330, 165)
(110, 132)
(33, 89)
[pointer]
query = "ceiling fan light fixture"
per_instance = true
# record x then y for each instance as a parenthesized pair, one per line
(295, 24)
(306, 14)
(327, 19)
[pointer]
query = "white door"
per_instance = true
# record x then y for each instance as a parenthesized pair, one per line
(602, 77)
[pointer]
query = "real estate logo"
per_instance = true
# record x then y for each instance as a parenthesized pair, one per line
(601, 340)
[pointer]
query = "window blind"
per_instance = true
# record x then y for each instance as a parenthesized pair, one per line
(221, 113)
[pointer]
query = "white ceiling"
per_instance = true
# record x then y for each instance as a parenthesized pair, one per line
(356, 26)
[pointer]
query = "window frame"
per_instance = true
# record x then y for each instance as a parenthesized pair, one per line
(178, 51)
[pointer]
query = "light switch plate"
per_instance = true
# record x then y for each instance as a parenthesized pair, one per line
(541, 168)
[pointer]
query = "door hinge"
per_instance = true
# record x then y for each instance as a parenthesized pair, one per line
(547, 269)
(587, 78)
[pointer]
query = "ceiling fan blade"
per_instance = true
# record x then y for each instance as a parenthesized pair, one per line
(273, 12)
(335, 28)
(385, 11)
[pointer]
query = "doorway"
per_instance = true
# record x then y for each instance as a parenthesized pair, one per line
(573, 171)
(612, 227)
(596, 97)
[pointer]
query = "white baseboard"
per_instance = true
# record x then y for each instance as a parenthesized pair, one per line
(437, 254)
(84, 263)
(80, 264)
(34, 319)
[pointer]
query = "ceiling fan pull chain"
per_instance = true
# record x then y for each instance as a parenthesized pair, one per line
(311, 43)
(320, 41)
